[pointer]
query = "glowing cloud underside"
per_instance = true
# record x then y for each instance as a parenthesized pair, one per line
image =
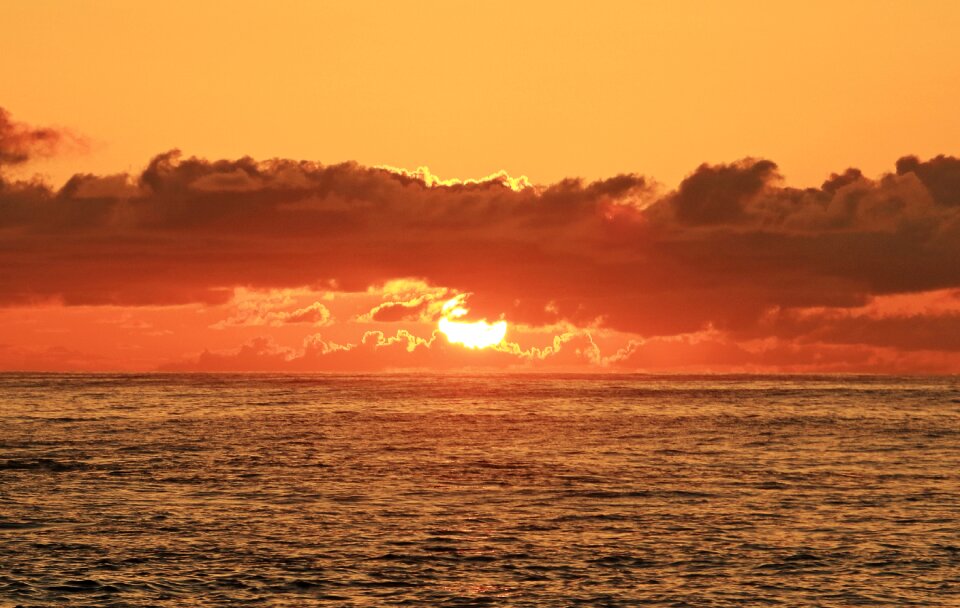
(473, 334)
(432, 181)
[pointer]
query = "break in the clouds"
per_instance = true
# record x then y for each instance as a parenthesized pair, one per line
(733, 265)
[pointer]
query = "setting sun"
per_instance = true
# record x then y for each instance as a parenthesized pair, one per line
(472, 334)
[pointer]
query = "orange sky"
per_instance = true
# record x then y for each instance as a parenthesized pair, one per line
(549, 90)
(651, 262)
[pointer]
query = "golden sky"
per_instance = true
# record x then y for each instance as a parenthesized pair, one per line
(543, 89)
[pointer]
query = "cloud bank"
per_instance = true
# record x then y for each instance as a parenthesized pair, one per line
(732, 250)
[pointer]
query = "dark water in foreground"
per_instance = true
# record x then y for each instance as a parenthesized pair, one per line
(479, 491)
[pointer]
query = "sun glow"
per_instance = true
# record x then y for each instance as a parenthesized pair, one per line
(501, 177)
(472, 334)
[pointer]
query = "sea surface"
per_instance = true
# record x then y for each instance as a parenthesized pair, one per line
(479, 490)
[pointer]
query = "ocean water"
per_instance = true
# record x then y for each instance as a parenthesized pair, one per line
(484, 490)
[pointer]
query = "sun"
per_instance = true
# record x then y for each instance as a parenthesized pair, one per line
(472, 334)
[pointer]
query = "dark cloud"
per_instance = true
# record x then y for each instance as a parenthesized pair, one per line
(941, 176)
(721, 193)
(20, 143)
(906, 332)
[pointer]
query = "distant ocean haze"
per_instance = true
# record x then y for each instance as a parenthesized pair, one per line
(470, 490)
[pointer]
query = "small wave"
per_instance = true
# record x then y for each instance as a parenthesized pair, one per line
(21, 525)
(622, 561)
(84, 586)
(609, 494)
(41, 464)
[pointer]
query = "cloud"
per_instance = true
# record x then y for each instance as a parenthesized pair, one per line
(392, 312)
(407, 299)
(914, 331)
(21, 143)
(719, 353)
(272, 308)
(722, 193)
(728, 246)
(423, 174)
(380, 351)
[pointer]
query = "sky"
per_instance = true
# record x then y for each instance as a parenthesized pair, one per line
(676, 187)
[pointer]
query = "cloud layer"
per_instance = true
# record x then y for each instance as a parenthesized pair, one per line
(732, 250)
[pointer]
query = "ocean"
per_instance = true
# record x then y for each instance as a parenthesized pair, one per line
(479, 490)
